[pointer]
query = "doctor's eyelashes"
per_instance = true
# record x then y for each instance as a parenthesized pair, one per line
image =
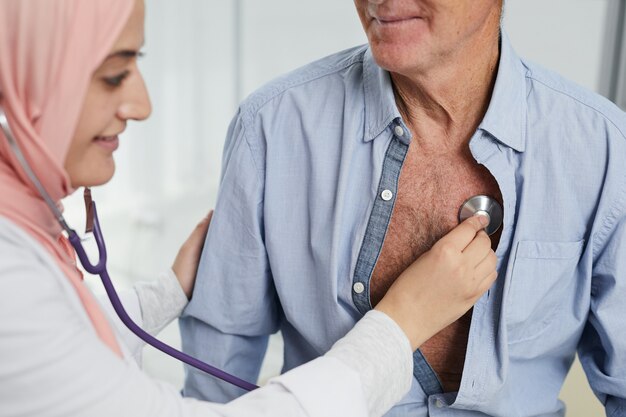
(117, 80)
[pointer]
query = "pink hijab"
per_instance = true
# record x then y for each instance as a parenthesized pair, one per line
(49, 50)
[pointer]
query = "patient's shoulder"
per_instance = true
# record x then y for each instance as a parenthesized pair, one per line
(311, 76)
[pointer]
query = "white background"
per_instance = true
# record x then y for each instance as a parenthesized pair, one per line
(168, 167)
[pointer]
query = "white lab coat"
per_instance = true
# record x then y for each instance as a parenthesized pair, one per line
(53, 364)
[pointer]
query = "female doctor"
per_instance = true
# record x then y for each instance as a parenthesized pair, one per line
(69, 83)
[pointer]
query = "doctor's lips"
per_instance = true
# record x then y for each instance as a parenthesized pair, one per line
(108, 142)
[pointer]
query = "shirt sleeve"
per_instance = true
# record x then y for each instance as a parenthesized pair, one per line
(602, 349)
(53, 363)
(234, 305)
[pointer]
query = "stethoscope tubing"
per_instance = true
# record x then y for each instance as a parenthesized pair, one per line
(482, 203)
(101, 270)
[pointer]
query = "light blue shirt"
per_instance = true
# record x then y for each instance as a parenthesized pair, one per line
(300, 222)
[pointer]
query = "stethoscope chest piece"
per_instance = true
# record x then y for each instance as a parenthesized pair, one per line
(482, 204)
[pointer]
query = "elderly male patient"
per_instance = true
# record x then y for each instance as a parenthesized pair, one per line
(340, 174)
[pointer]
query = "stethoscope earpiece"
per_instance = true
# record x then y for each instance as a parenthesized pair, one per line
(485, 205)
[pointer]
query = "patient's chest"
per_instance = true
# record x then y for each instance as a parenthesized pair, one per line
(430, 191)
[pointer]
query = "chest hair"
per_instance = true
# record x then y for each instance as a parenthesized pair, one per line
(430, 191)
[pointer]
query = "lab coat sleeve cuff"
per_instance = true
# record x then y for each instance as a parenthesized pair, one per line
(161, 301)
(379, 351)
(325, 387)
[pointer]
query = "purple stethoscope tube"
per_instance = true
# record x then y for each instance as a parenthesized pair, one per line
(101, 269)
(478, 204)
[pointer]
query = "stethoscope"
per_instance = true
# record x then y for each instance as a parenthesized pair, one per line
(101, 269)
(486, 206)
(476, 205)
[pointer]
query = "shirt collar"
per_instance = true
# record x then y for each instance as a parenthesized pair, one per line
(380, 103)
(505, 117)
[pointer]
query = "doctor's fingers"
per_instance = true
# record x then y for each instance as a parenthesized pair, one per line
(465, 233)
(195, 241)
(485, 268)
(486, 283)
(204, 224)
(206, 219)
(478, 249)
(482, 279)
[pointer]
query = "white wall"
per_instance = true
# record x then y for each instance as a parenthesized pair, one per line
(281, 35)
(168, 167)
(563, 35)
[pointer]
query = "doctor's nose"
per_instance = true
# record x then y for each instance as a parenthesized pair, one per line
(136, 104)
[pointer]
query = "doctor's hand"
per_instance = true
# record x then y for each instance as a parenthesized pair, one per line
(443, 283)
(186, 262)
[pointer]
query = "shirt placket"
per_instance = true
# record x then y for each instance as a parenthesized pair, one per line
(375, 236)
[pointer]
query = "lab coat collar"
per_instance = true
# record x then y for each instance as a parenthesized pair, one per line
(506, 115)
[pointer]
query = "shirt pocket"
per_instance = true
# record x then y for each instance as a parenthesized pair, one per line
(539, 282)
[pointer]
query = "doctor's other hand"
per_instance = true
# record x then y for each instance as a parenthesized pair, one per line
(443, 283)
(186, 262)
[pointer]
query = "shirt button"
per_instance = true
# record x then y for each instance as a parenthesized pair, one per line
(398, 130)
(438, 403)
(358, 287)
(386, 195)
